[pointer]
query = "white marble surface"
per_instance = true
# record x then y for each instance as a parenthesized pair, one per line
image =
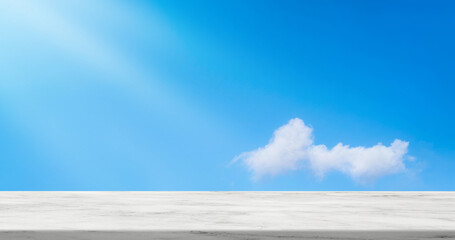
(257, 211)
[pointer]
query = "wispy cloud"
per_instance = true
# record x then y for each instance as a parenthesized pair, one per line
(292, 146)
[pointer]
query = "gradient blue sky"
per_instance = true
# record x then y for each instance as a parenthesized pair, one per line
(162, 95)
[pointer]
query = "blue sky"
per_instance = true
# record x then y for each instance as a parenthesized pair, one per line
(163, 95)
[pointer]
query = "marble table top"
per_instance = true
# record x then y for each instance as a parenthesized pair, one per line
(239, 211)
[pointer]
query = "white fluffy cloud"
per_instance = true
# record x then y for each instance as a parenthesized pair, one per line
(292, 146)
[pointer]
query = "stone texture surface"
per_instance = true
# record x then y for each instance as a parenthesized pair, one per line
(173, 212)
(225, 235)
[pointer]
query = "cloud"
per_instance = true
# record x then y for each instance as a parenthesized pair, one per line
(292, 147)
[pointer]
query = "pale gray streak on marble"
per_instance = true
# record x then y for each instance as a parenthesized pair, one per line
(228, 235)
(186, 211)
